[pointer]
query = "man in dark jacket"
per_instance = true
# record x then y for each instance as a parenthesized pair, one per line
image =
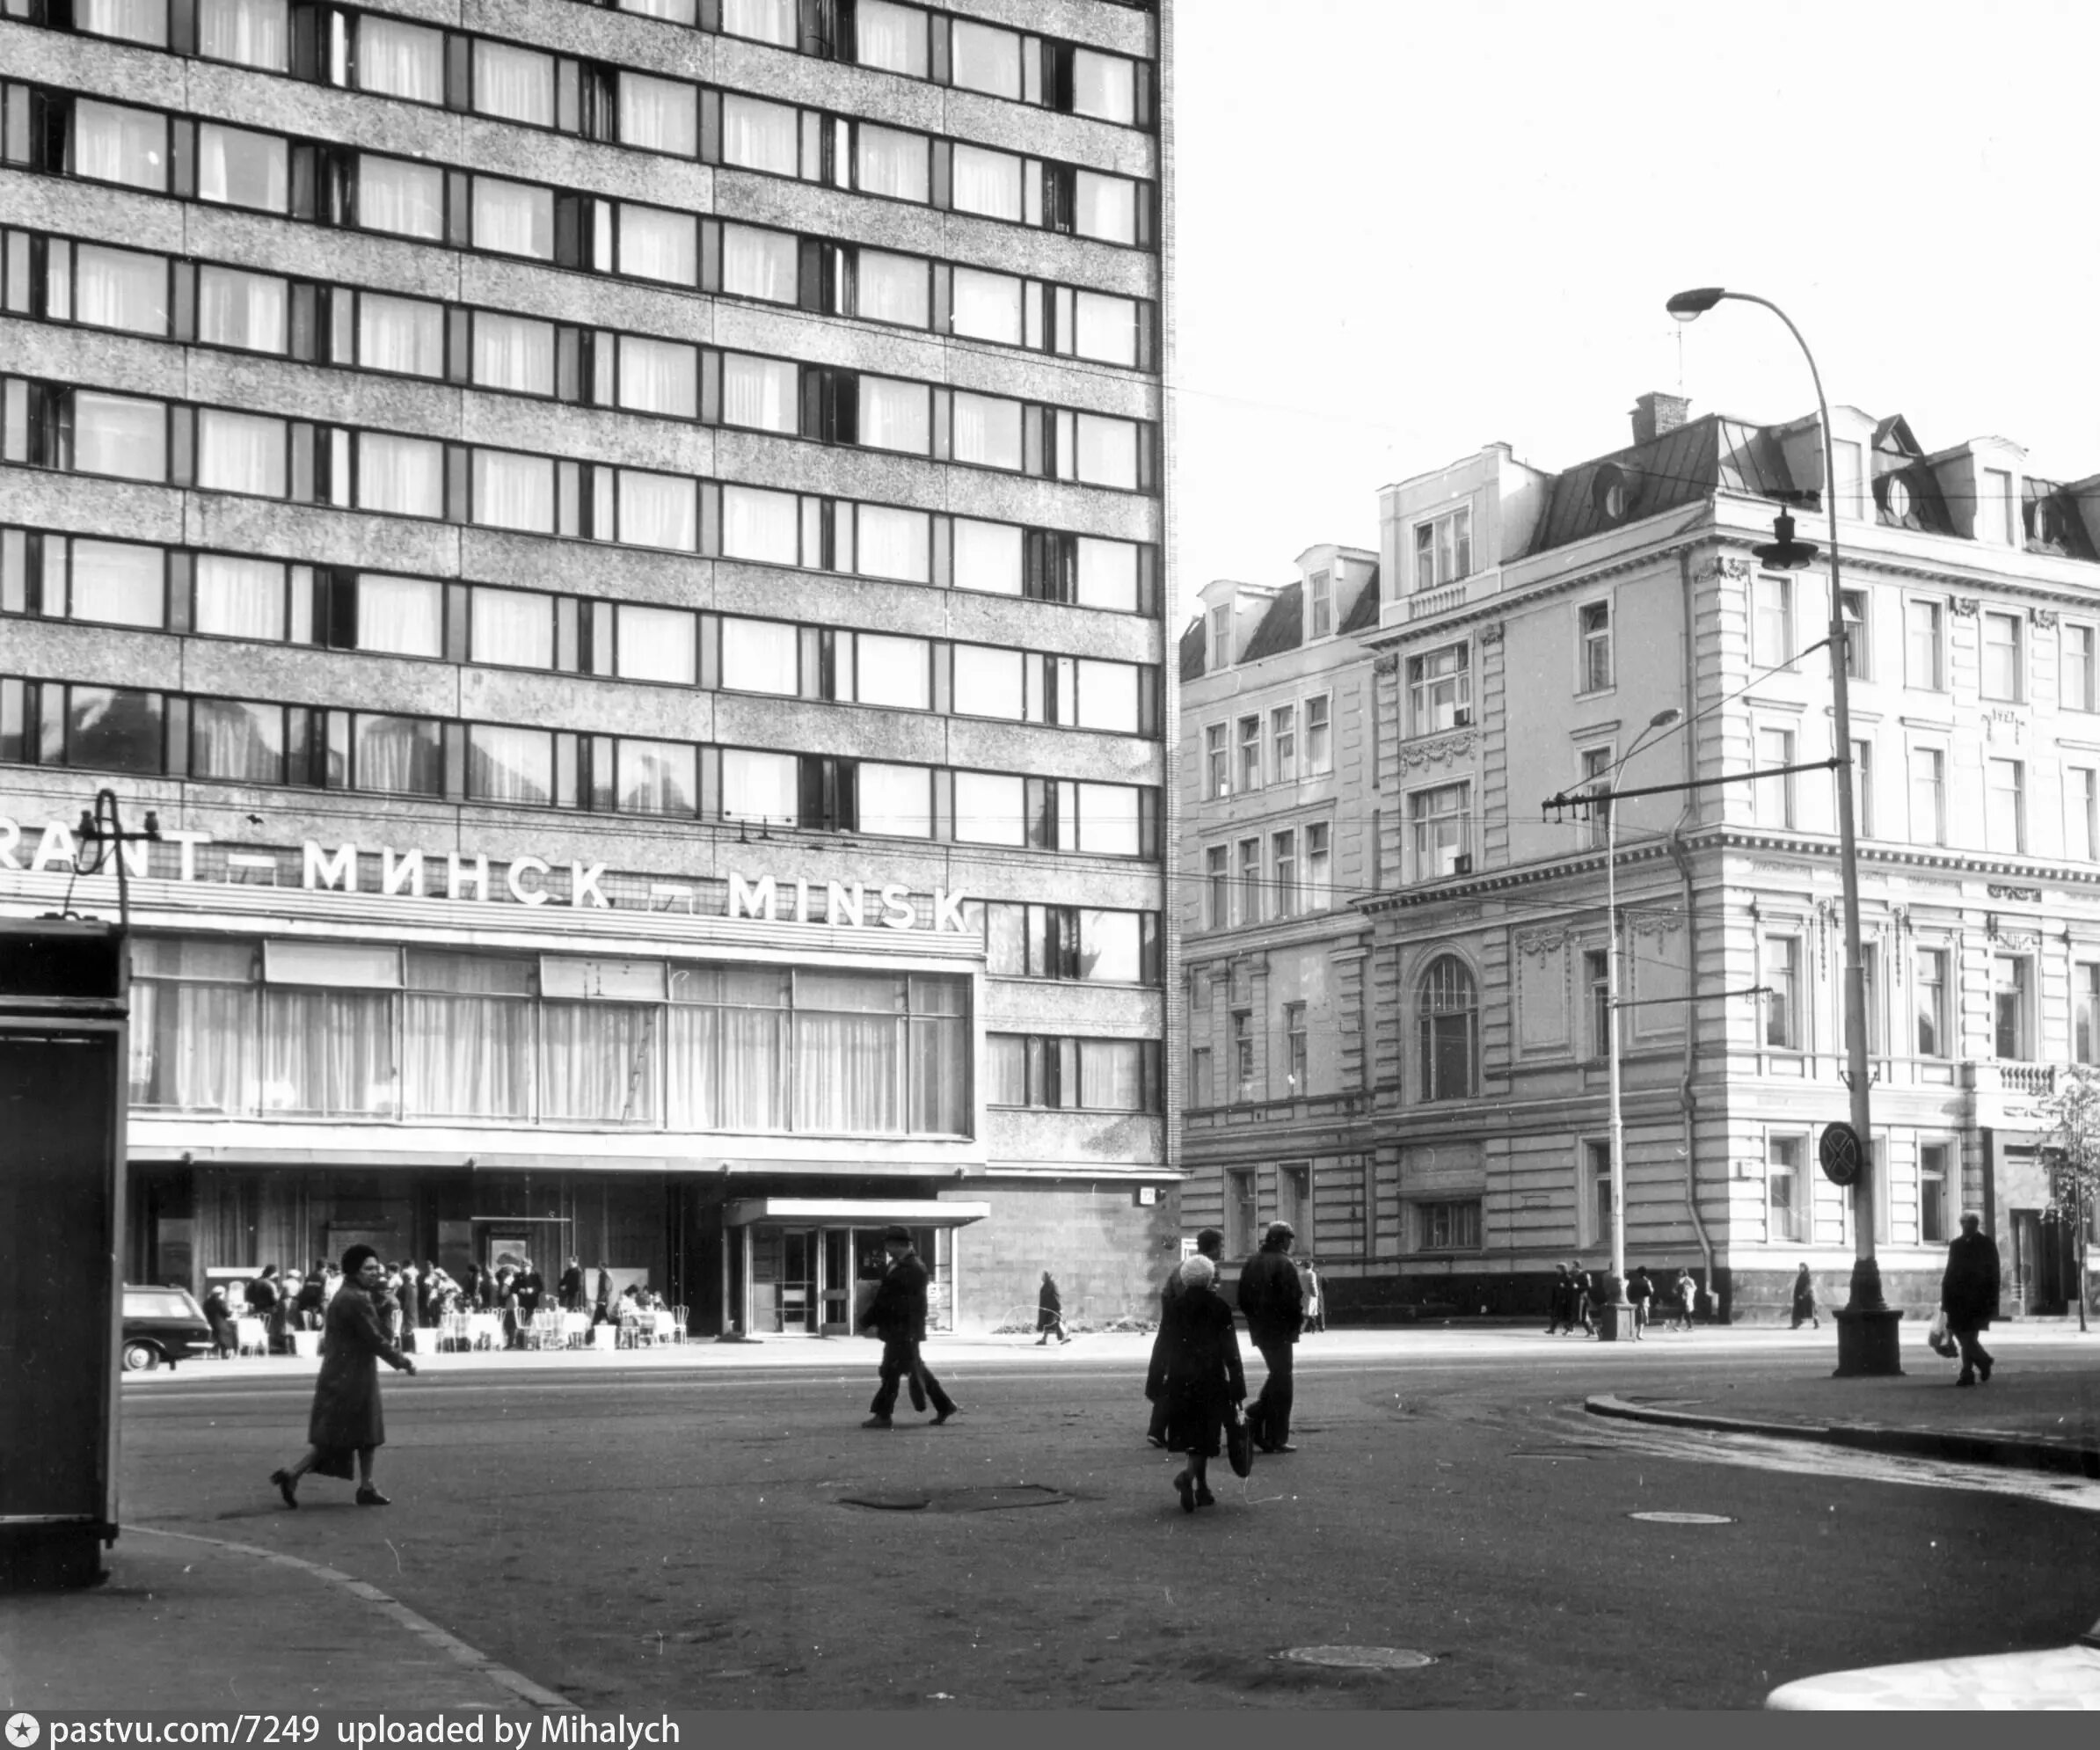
(1560, 1302)
(1210, 1243)
(898, 1315)
(570, 1288)
(1275, 1308)
(1969, 1295)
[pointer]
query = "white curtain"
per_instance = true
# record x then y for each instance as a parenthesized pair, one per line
(1108, 819)
(989, 808)
(1104, 86)
(115, 144)
(759, 393)
(514, 491)
(891, 37)
(987, 430)
(401, 474)
(599, 1060)
(397, 754)
(329, 1051)
(401, 60)
(985, 58)
(119, 434)
(1107, 207)
(658, 245)
(896, 801)
(1108, 574)
(892, 288)
(658, 777)
(758, 264)
(1104, 327)
(1111, 947)
(1006, 1069)
(678, 11)
(400, 334)
(514, 218)
(939, 1072)
(251, 33)
(660, 376)
(849, 1072)
(240, 169)
(761, 20)
(893, 543)
(120, 288)
(987, 681)
(403, 615)
(984, 181)
(728, 1064)
(408, 200)
(891, 163)
(466, 1055)
(240, 742)
(118, 583)
(758, 135)
(510, 765)
(658, 644)
(513, 627)
(240, 453)
(516, 83)
(241, 310)
(760, 787)
(1108, 451)
(659, 510)
(238, 598)
(896, 672)
(988, 306)
(760, 656)
(661, 114)
(896, 415)
(1108, 696)
(987, 557)
(761, 525)
(1112, 1074)
(514, 352)
(193, 1046)
(133, 20)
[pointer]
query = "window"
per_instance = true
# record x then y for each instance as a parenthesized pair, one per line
(400, 474)
(1217, 762)
(1294, 1049)
(1936, 1161)
(1442, 823)
(1283, 745)
(237, 168)
(1444, 549)
(1863, 789)
(119, 287)
(1852, 607)
(1202, 1088)
(2003, 670)
(1104, 86)
(515, 218)
(2075, 686)
(131, 20)
(887, 161)
(892, 288)
(111, 143)
(238, 598)
(1319, 741)
(1782, 998)
(406, 199)
(1104, 327)
(1596, 977)
(895, 415)
(891, 37)
(2012, 1014)
(1771, 622)
(1220, 636)
(1772, 797)
(401, 334)
(2005, 807)
(656, 777)
(890, 542)
(1217, 880)
(118, 435)
(512, 628)
(1869, 996)
(1928, 990)
(1452, 1226)
(1283, 871)
(758, 264)
(1242, 1054)
(759, 136)
(1596, 764)
(1319, 867)
(656, 243)
(1249, 881)
(1787, 1199)
(1241, 1236)
(2085, 1012)
(2082, 813)
(661, 115)
(1928, 796)
(1249, 735)
(1439, 689)
(400, 755)
(1104, 206)
(247, 310)
(1448, 1018)
(772, 21)
(1593, 635)
(984, 181)
(657, 643)
(1596, 1167)
(514, 766)
(241, 453)
(115, 583)
(1924, 660)
(407, 60)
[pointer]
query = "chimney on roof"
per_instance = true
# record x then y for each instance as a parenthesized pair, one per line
(1655, 413)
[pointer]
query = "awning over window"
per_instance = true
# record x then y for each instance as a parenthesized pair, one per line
(852, 1212)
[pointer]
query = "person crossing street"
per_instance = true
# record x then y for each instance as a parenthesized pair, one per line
(1275, 1304)
(898, 1315)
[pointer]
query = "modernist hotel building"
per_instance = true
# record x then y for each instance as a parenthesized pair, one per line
(625, 547)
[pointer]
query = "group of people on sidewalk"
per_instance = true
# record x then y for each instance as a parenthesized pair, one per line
(1576, 1296)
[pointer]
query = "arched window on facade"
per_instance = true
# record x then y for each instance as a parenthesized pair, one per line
(1449, 1015)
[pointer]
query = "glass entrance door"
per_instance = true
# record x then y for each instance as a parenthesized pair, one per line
(798, 1285)
(837, 1282)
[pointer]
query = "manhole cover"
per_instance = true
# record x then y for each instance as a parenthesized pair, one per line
(1359, 1659)
(989, 1499)
(1683, 1518)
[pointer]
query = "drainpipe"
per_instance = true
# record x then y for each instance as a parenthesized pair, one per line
(1687, 1098)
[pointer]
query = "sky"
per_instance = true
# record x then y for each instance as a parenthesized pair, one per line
(1404, 231)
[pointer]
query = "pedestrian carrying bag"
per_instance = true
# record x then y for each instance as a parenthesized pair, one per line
(1239, 1445)
(1936, 1335)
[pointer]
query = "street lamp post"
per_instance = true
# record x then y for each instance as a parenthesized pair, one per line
(1867, 1339)
(1617, 1320)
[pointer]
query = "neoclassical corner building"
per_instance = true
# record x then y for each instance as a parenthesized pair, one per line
(625, 546)
(1448, 1130)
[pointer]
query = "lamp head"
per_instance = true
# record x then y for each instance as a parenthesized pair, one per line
(1665, 717)
(1689, 306)
(1785, 553)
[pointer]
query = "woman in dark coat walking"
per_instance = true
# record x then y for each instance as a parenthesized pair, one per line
(1804, 1299)
(346, 1418)
(1196, 1372)
(1049, 1312)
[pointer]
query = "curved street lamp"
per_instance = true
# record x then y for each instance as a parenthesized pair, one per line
(1866, 1340)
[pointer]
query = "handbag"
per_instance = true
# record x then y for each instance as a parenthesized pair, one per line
(1239, 1444)
(1937, 1338)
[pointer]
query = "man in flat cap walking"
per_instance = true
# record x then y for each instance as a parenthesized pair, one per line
(1275, 1304)
(898, 1315)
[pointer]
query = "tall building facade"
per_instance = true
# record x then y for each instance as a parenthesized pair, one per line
(625, 547)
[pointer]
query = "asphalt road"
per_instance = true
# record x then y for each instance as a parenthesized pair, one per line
(682, 1540)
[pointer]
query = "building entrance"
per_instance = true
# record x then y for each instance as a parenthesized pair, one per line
(809, 1266)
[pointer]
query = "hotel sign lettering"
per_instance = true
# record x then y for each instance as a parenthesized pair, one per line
(524, 880)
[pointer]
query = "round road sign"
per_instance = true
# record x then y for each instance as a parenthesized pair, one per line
(1839, 1152)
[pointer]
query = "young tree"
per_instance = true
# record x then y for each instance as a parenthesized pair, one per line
(2070, 1117)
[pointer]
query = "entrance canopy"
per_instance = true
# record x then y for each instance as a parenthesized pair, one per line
(853, 1212)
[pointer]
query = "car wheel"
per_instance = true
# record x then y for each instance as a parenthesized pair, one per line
(141, 1358)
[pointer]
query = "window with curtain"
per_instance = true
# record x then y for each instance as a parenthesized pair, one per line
(121, 435)
(118, 583)
(660, 376)
(329, 1054)
(241, 452)
(399, 755)
(514, 218)
(760, 525)
(143, 21)
(397, 196)
(658, 644)
(510, 765)
(662, 115)
(514, 352)
(120, 288)
(514, 491)
(889, 161)
(657, 778)
(759, 788)
(984, 58)
(1108, 696)
(1112, 1074)
(989, 683)
(987, 430)
(849, 1038)
(896, 801)
(772, 21)
(891, 37)
(893, 543)
(404, 615)
(1447, 1019)
(677, 12)
(759, 136)
(512, 627)
(1108, 820)
(758, 264)
(759, 393)
(237, 598)
(659, 245)
(659, 510)
(400, 59)
(894, 671)
(113, 144)
(896, 415)
(760, 656)
(726, 1048)
(238, 308)
(892, 288)
(1111, 947)
(1104, 327)
(986, 557)
(1108, 574)
(1006, 1069)
(248, 32)
(237, 168)
(236, 740)
(194, 1033)
(400, 334)
(468, 1036)
(1104, 86)
(113, 729)
(986, 306)
(938, 1056)
(1107, 207)
(1108, 451)
(513, 82)
(985, 181)
(990, 808)
(404, 475)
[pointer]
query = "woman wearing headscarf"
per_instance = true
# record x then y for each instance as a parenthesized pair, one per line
(1804, 1299)
(346, 1418)
(1049, 1312)
(1196, 1372)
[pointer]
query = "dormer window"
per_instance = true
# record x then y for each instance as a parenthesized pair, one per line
(1320, 593)
(1444, 549)
(1220, 636)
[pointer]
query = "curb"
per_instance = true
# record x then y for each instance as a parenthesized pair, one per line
(2016, 1452)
